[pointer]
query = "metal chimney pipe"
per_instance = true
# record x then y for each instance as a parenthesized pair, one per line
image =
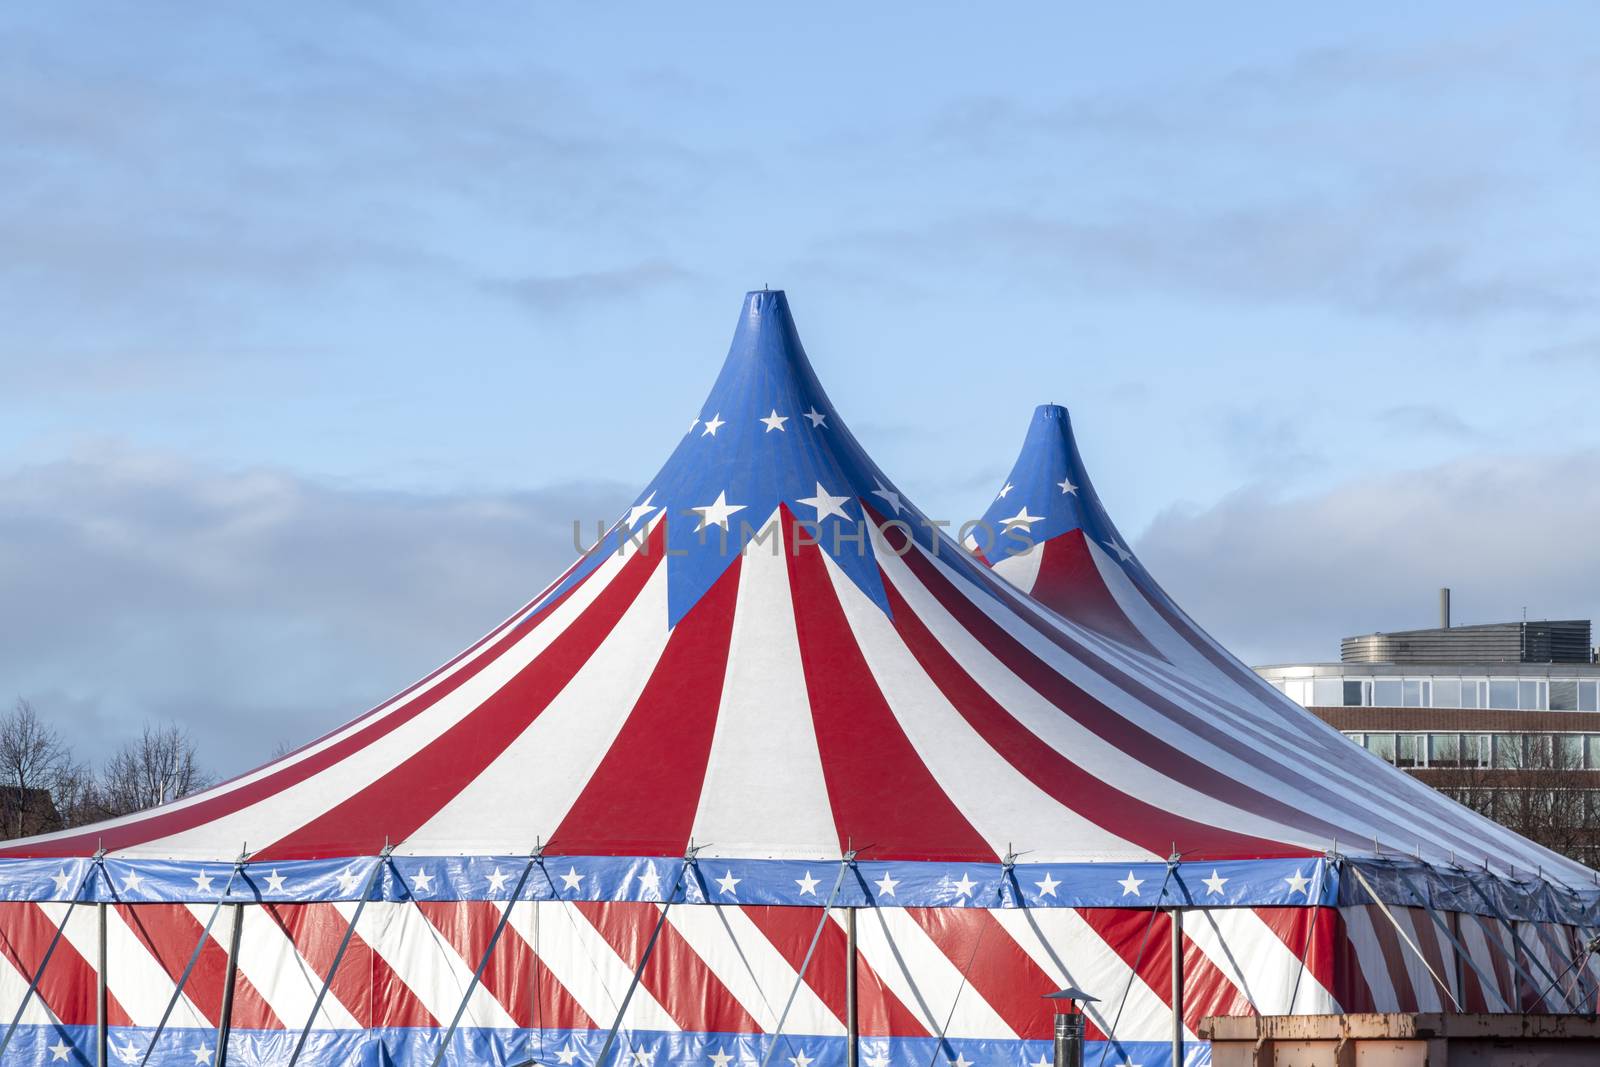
(1444, 607)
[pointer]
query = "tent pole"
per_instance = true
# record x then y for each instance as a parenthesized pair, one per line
(1177, 987)
(230, 977)
(101, 1037)
(338, 957)
(851, 1018)
(477, 975)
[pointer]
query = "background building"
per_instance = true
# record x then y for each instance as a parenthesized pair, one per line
(1504, 717)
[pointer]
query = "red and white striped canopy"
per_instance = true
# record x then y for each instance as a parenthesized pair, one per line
(775, 655)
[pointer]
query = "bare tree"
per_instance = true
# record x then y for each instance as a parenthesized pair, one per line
(1536, 787)
(155, 768)
(39, 780)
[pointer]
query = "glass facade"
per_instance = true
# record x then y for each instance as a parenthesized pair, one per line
(1443, 691)
(1452, 751)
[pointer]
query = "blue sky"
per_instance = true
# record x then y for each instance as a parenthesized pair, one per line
(321, 323)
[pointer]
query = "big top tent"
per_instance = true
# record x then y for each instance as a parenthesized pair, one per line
(778, 772)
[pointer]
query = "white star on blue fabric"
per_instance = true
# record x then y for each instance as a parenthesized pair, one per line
(1047, 887)
(878, 1058)
(713, 424)
(1004, 491)
(808, 884)
(1067, 486)
(1130, 885)
(568, 1054)
(640, 510)
(1122, 553)
(275, 882)
(202, 1052)
(825, 503)
(727, 883)
(1214, 884)
(650, 880)
(133, 883)
(59, 1050)
(202, 882)
(61, 880)
(886, 885)
(348, 879)
(572, 878)
(717, 512)
(720, 1058)
(422, 882)
(800, 1059)
(960, 1061)
(775, 422)
(1298, 883)
(497, 881)
(1022, 519)
(889, 496)
(965, 886)
(817, 418)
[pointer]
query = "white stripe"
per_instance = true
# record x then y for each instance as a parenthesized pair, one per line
(1000, 802)
(579, 726)
(1074, 954)
(278, 816)
(285, 980)
(925, 980)
(752, 969)
(1068, 737)
(1021, 570)
(764, 793)
(1471, 935)
(133, 976)
(1363, 938)
(427, 963)
(1255, 959)
(586, 966)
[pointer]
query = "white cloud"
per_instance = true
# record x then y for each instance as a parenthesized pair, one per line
(1281, 578)
(255, 607)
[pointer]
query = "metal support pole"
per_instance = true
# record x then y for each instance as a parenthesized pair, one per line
(852, 1030)
(225, 1016)
(1177, 987)
(338, 957)
(101, 1037)
(188, 968)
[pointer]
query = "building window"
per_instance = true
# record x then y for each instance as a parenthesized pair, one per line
(1382, 746)
(1327, 692)
(1540, 751)
(1444, 750)
(1410, 750)
(1588, 692)
(1528, 695)
(1472, 693)
(1447, 692)
(1386, 693)
(1508, 750)
(1563, 694)
(1477, 750)
(1503, 694)
(1569, 752)
(1355, 694)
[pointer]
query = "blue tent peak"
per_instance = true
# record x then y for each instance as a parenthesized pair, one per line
(766, 435)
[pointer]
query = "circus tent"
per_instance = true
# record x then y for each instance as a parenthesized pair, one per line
(779, 772)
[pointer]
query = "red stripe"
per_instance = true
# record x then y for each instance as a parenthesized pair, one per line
(1070, 582)
(879, 1012)
(878, 787)
(67, 987)
(366, 985)
(638, 803)
(399, 801)
(1207, 989)
(515, 976)
(1148, 825)
(676, 976)
(168, 822)
(996, 967)
(170, 932)
(1148, 748)
(1321, 952)
(1394, 961)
